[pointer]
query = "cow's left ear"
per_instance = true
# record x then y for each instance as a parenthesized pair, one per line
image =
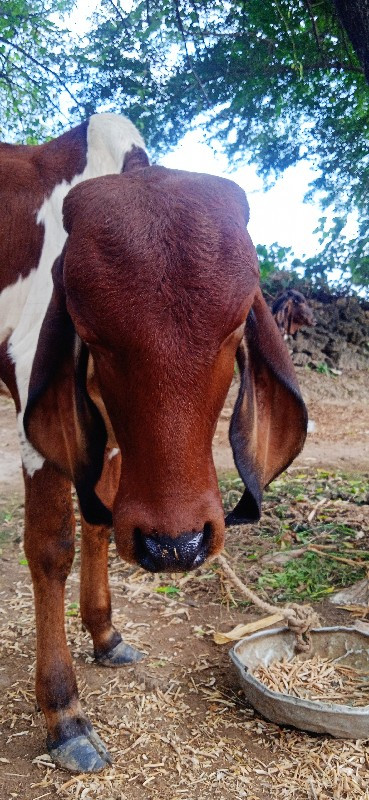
(60, 419)
(269, 421)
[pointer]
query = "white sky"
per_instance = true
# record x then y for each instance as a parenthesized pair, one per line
(278, 215)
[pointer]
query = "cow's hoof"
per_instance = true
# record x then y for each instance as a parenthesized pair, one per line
(85, 753)
(122, 653)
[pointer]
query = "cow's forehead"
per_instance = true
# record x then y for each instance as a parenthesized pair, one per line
(152, 183)
(166, 249)
(154, 210)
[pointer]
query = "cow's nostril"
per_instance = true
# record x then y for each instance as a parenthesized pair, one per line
(205, 545)
(161, 553)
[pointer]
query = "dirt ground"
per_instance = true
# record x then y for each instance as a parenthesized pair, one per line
(176, 725)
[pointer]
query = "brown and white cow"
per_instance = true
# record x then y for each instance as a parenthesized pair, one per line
(155, 294)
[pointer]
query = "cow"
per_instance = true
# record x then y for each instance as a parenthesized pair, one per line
(291, 312)
(153, 297)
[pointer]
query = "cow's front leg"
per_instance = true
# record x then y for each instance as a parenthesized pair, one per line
(49, 547)
(109, 647)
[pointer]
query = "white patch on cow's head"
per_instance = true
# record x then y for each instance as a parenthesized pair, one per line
(109, 138)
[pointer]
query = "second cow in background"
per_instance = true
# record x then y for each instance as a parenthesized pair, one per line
(291, 312)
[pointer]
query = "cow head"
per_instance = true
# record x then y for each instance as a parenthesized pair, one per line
(156, 294)
(292, 311)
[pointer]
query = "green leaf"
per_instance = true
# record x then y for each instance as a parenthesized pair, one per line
(167, 590)
(72, 610)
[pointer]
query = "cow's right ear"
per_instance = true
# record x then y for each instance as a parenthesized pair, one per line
(60, 419)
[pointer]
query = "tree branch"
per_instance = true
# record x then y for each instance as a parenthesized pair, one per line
(188, 57)
(39, 64)
(33, 80)
(121, 17)
(315, 29)
(288, 32)
(285, 69)
(199, 24)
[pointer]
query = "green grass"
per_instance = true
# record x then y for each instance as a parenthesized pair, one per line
(310, 577)
(170, 590)
(308, 486)
(324, 369)
(339, 527)
(72, 610)
(11, 516)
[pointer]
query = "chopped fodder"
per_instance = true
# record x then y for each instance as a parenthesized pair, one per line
(317, 679)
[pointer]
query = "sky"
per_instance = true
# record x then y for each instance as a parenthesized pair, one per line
(278, 215)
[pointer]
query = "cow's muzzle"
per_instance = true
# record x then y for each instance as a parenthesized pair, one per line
(161, 553)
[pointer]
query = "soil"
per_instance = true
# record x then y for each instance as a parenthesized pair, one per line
(176, 724)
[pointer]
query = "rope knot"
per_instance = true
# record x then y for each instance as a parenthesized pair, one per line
(300, 620)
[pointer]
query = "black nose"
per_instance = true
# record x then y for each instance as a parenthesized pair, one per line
(160, 553)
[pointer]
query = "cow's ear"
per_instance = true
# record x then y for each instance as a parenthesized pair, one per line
(60, 419)
(269, 421)
(135, 159)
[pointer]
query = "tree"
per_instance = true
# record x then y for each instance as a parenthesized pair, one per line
(32, 63)
(354, 15)
(273, 82)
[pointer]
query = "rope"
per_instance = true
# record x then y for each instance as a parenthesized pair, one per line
(300, 619)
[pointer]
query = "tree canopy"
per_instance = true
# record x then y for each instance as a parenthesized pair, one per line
(32, 66)
(272, 82)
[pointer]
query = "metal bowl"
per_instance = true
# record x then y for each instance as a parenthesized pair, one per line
(349, 645)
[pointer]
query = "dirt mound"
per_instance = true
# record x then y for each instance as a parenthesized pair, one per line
(340, 338)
